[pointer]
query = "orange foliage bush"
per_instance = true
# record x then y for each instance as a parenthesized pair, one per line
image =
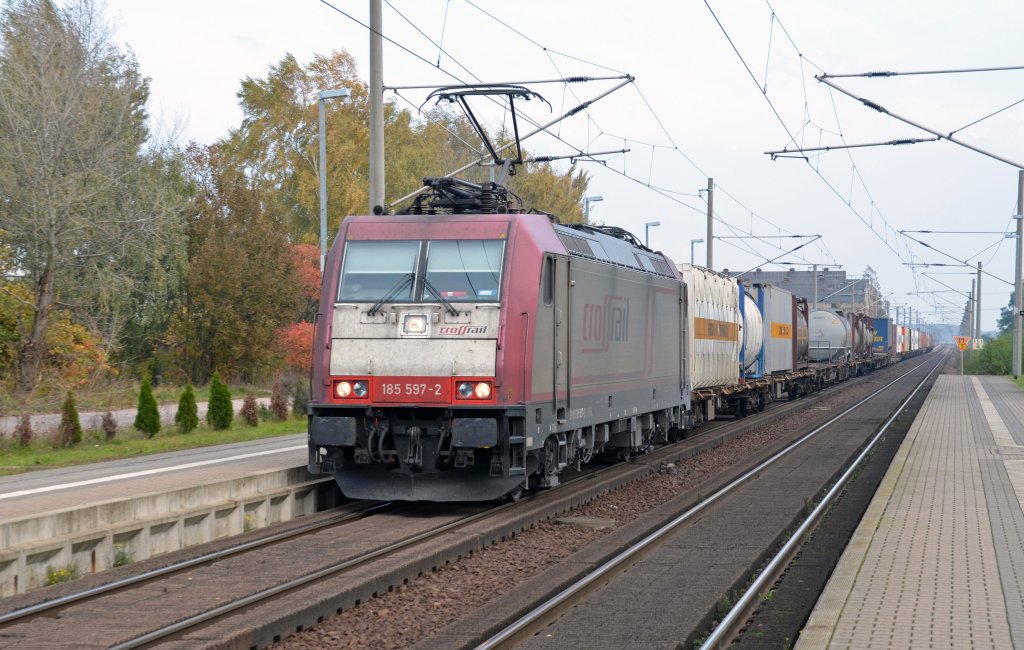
(296, 341)
(306, 258)
(74, 353)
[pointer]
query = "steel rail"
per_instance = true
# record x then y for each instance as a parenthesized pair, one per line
(227, 608)
(729, 627)
(44, 606)
(540, 612)
(193, 621)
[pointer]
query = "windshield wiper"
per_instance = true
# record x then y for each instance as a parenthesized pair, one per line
(447, 305)
(404, 281)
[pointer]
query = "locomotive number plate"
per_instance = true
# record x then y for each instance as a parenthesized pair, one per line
(412, 390)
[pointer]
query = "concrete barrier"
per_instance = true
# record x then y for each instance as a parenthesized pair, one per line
(95, 537)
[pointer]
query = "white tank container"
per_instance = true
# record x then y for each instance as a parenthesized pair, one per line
(713, 327)
(753, 331)
(831, 335)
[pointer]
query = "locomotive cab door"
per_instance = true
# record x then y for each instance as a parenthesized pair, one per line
(561, 320)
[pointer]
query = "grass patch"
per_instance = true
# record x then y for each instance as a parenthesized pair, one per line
(129, 443)
(57, 575)
(111, 397)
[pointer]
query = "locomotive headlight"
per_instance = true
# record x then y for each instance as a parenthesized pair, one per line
(474, 390)
(343, 389)
(359, 389)
(414, 324)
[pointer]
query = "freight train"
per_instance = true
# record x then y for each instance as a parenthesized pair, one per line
(469, 350)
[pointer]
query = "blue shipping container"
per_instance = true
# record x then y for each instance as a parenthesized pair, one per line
(881, 344)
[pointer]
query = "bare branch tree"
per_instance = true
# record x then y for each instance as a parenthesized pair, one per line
(83, 200)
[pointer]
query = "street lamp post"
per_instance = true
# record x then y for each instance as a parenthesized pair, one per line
(1018, 302)
(647, 232)
(324, 95)
(692, 242)
(587, 200)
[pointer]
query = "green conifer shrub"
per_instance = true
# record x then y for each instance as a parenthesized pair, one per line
(187, 417)
(147, 417)
(220, 413)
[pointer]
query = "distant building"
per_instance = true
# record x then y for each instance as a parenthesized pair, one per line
(835, 289)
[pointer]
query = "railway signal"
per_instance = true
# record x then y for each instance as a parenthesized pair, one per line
(961, 342)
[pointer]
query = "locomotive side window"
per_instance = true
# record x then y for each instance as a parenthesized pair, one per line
(464, 270)
(374, 269)
(548, 281)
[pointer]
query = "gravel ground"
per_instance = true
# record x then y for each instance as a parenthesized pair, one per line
(431, 602)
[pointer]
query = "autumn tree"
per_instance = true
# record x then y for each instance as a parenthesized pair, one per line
(242, 282)
(84, 204)
(279, 142)
(253, 278)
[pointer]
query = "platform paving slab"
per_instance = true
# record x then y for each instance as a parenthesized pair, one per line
(938, 558)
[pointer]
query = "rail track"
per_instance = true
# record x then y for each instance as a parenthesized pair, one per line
(732, 623)
(577, 592)
(222, 602)
(45, 607)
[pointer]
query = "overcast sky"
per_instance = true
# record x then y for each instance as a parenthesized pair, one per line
(694, 111)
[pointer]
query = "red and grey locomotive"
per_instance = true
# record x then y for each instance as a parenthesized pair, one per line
(463, 353)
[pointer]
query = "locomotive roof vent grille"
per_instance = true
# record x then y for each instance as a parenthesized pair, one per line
(661, 266)
(576, 245)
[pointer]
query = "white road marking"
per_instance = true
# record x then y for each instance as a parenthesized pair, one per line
(148, 472)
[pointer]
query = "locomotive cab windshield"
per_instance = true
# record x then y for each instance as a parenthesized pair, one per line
(446, 271)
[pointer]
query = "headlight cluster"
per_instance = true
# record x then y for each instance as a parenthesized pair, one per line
(414, 324)
(350, 389)
(474, 390)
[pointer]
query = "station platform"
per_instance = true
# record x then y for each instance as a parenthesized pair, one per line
(32, 493)
(99, 515)
(938, 559)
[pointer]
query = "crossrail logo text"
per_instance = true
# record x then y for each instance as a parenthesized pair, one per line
(605, 323)
(462, 330)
